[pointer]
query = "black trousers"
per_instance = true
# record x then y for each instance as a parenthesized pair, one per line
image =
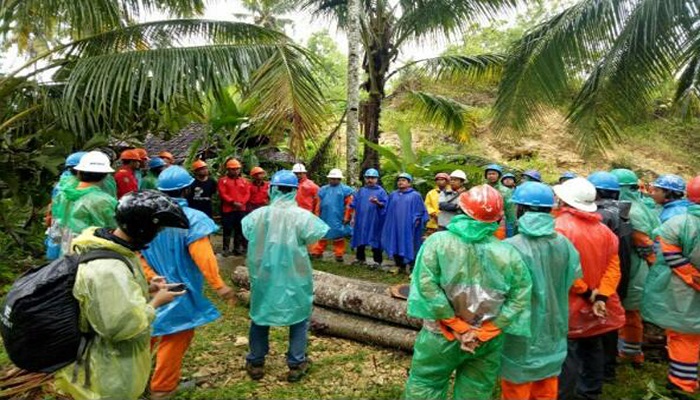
(583, 370)
(231, 223)
(376, 254)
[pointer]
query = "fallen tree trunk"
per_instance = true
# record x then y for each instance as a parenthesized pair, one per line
(240, 277)
(346, 294)
(353, 327)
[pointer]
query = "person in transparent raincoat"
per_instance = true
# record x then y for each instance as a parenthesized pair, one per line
(469, 288)
(281, 284)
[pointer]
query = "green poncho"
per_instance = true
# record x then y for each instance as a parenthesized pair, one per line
(468, 273)
(281, 281)
(510, 208)
(554, 264)
(149, 182)
(113, 302)
(668, 301)
(109, 186)
(646, 221)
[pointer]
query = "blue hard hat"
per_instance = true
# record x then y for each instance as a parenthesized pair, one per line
(604, 180)
(494, 167)
(174, 178)
(533, 174)
(73, 159)
(284, 178)
(567, 175)
(405, 175)
(156, 162)
(371, 173)
(533, 194)
(508, 175)
(670, 182)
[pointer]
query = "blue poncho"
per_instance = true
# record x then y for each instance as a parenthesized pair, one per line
(403, 225)
(333, 210)
(674, 208)
(168, 255)
(369, 217)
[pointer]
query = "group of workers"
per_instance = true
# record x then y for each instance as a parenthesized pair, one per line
(543, 287)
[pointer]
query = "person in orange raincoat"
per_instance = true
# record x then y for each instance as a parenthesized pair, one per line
(307, 194)
(125, 177)
(234, 191)
(594, 306)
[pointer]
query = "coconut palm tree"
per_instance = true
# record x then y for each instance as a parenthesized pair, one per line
(614, 55)
(267, 13)
(388, 25)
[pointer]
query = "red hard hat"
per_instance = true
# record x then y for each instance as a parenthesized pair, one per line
(483, 203)
(233, 164)
(442, 175)
(693, 190)
(198, 164)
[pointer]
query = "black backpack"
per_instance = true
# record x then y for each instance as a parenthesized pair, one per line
(40, 317)
(616, 216)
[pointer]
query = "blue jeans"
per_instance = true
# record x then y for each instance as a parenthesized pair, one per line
(259, 343)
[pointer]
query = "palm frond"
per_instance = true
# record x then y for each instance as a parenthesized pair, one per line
(485, 67)
(446, 113)
(687, 97)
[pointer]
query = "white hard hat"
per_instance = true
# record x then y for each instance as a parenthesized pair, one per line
(458, 173)
(579, 193)
(95, 161)
(335, 173)
(298, 168)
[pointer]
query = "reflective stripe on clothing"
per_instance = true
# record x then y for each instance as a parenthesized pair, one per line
(683, 354)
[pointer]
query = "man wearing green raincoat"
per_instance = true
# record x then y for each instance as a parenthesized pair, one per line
(115, 305)
(531, 365)
(468, 287)
(644, 222)
(493, 174)
(281, 284)
(80, 206)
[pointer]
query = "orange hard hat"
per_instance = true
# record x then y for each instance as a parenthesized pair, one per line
(165, 154)
(693, 190)
(142, 153)
(483, 203)
(442, 175)
(233, 164)
(256, 170)
(130, 155)
(198, 164)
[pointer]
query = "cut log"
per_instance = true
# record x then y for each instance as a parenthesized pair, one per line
(353, 327)
(240, 277)
(345, 294)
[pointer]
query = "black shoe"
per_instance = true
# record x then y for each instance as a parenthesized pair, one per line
(678, 393)
(237, 253)
(316, 256)
(340, 259)
(256, 372)
(297, 372)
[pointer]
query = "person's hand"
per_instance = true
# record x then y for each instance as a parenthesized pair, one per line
(237, 205)
(157, 283)
(164, 296)
(228, 294)
(373, 200)
(599, 309)
(594, 293)
(468, 341)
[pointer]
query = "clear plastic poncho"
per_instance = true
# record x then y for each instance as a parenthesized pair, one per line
(281, 282)
(645, 220)
(668, 301)
(554, 264)
(114, 303)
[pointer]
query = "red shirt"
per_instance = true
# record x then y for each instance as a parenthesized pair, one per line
(259, 195)
(126, 181)
(307, 195)
(233, 190)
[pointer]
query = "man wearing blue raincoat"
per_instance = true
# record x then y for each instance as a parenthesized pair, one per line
(370, 207)
(181, 256)
(281, 282)
(668, 191)
(405, 220)
(334, 210)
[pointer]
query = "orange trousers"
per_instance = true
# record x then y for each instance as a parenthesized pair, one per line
(683, 354)
(169, 350)
(338, 247)
(631, 336)
(546, 389)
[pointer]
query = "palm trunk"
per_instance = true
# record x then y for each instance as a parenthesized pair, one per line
(371, 112)
(353, 88)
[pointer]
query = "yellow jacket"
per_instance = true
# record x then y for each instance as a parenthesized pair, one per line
(432, 203)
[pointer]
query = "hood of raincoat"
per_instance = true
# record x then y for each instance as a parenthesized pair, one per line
(90, 240)
(470, 229)
(694, 210)
(73, 193)
(276, 196)
(536, 224)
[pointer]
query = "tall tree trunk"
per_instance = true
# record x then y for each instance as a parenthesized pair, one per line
(371, 112)
(353, 103)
